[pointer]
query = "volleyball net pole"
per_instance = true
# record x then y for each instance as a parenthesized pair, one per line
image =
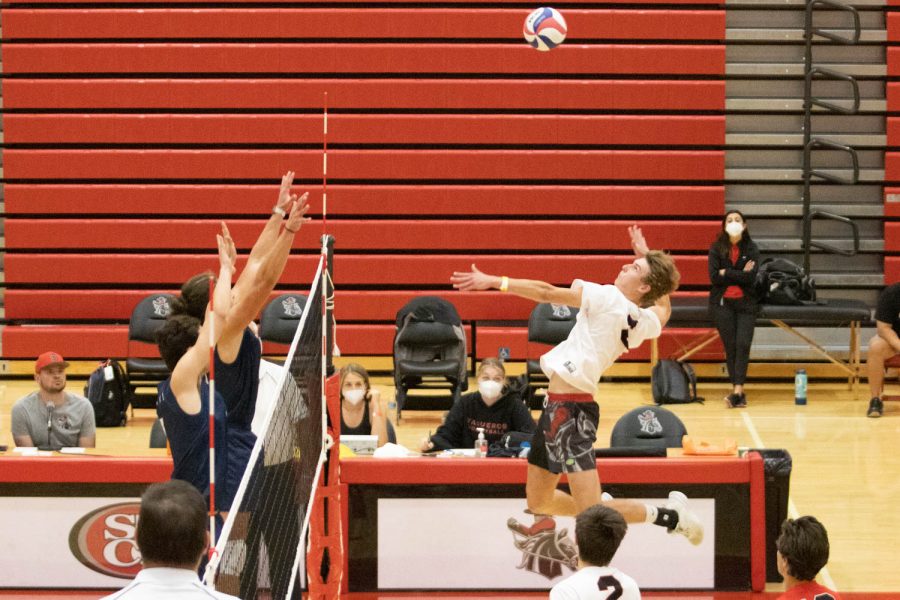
(325, 534)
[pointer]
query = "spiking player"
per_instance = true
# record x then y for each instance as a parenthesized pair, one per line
(612, 320)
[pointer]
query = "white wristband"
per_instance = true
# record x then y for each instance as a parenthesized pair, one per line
(277, 210)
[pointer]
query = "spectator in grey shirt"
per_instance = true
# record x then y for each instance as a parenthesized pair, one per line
(51, 417)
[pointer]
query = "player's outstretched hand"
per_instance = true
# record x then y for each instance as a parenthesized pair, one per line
(638, 243)
(227, 251)
(472, 280)
(284, 193)
(297, 217)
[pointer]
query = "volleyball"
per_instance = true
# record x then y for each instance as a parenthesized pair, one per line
(545, 28)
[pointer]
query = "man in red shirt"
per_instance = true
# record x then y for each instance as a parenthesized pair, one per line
(802, 552)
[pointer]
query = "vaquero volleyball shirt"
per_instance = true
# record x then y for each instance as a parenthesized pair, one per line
(607, 326)
(236, 388)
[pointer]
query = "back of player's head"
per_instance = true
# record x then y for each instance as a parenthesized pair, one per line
(663, 277)
(194, 297)
(803, 544)
(599, 531)
(176, 336)
(171, 528)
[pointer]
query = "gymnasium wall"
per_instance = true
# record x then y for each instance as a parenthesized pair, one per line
(130, 131)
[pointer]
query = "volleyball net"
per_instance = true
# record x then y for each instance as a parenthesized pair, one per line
(261, 549)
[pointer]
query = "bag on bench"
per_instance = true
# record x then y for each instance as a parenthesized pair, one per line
(784, 282)
(674, 382)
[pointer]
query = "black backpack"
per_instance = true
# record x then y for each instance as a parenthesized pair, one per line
(784, 282)
(108, 391)
(674, 382)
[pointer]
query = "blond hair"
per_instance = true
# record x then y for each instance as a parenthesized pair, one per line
(663, 277)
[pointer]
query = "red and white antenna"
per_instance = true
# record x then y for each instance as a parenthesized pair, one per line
(212, 420)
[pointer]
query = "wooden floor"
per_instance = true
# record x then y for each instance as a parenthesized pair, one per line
(846, 467)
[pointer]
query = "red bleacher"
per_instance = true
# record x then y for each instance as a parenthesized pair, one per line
(891, 159)
(451, 142)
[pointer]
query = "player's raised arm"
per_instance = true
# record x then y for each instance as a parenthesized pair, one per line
(263, 269)
(195, 361)
(539, 291)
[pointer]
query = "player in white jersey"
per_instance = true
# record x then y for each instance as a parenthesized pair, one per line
(598, 531)
(612, 320)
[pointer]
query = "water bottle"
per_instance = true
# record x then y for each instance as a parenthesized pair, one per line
(392, 411)
(524, 449)
(800, 387)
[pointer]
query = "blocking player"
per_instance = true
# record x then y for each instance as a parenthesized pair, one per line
(183, 343)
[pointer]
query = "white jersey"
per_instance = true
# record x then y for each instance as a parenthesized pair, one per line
(165, 582)
(608, 325)
(596, 583)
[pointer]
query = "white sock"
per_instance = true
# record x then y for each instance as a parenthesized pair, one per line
(652, 513)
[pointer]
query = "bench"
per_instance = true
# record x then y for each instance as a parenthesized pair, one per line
(692, 313)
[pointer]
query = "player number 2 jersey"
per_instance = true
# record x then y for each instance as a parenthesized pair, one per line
(596, 583)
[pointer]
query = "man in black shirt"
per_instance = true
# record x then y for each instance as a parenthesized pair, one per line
(884, 345)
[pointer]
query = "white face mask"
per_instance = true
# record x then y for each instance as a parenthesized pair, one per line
(489, 389)
(734, 229)
(354, 397)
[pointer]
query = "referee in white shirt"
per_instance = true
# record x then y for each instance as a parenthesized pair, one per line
(172, 537)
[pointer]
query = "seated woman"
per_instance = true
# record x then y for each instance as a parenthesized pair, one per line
(493, 407)
(361, 410)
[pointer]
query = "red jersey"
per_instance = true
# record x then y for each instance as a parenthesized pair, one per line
(734, 291)
(809, 591)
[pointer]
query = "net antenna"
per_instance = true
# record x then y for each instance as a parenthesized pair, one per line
(325, 559)
(212, 418)
(262, 541)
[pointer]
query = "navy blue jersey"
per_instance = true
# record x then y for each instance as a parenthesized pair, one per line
(236, 387)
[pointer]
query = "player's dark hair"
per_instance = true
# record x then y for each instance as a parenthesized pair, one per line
(171, 529)
(804, 545)
(176, 336)
(599, 531)
(663, 277)
(194, 297)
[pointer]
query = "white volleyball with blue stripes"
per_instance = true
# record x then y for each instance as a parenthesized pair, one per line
(545, 28)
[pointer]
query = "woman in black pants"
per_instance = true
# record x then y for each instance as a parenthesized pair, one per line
(733, 260)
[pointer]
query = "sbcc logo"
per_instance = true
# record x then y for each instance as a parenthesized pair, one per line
(103, 540)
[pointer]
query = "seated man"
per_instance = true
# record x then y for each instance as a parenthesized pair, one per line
(598, 531)
(494, 408)
(802, 552)
(172, 537)
(52, 417)
(884, 345)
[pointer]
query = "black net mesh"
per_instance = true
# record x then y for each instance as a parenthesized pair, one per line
(259, 550)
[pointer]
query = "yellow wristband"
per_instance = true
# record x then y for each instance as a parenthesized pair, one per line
(504, 283)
